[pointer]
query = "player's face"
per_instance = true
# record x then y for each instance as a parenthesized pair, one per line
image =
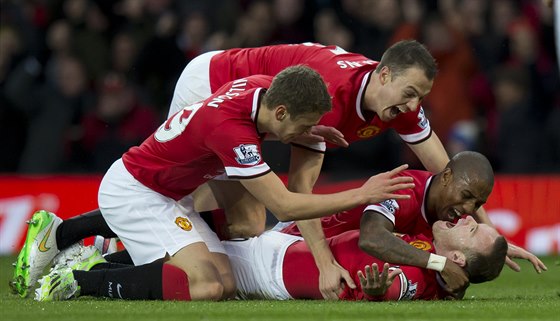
(401, 94)
(292, 128)
(467, 234)
(462, 195)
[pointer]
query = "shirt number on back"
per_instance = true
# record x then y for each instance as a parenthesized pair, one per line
(175, 125)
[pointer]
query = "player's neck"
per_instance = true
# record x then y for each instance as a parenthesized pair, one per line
(264, 120)
(370, 102)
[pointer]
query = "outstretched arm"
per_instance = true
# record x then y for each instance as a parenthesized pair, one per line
(289, 206)
(377, 239)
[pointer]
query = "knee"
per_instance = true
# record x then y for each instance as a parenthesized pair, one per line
(230, 287)
(238, 230)
(210, 290)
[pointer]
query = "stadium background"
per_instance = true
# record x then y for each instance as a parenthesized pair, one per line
(81, 81)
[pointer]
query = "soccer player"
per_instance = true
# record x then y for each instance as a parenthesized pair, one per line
(277, 266)
(461, 188)
(145, 196)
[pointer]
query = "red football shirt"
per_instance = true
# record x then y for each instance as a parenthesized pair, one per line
(202, 141)
(408, 216)
(301, 276)
(346, 75)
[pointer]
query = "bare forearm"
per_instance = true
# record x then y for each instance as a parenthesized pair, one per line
(431, 153)
(297, 206)
(394, 250)
(314, 236)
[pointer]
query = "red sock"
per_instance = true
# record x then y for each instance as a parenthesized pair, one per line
(175, 283)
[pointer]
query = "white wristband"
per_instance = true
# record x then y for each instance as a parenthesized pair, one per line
(436, 262)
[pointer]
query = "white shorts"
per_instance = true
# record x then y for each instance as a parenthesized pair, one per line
(194, 84)
(257, 265)
(149, 224)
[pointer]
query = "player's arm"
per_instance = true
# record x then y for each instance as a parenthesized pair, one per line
(377, 239)
(290, 206)
(305, 166)
(431, 153)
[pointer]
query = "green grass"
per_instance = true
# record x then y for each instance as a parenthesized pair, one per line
(513, 296)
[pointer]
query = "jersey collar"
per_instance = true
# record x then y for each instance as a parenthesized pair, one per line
(360, 96)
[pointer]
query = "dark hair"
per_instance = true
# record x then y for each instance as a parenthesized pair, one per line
(486, 267)
(406, 54)
(301, 89)
(472, 164)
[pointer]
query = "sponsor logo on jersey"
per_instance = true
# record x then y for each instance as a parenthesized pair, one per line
(247, 154)
(390, 205)
(368, 131)
(183, 223)
(423, 123)
(422, 245)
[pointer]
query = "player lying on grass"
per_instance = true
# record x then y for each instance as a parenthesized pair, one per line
(145, 197)
(461, 188)
(280, 266)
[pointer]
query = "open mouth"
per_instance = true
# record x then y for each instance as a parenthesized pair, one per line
(454, 214)
(449, 224)
(395, 111)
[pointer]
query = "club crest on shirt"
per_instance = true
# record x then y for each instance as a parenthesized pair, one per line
(247, 154)
(183, 223)
(421, 245)
(368, 131)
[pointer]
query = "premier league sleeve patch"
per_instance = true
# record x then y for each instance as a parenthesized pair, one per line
(422, 120)
(247, 154)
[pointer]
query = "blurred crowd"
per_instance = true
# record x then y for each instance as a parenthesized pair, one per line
(81, 81)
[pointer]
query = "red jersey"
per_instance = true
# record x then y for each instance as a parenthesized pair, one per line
(301, 276)
(346, 75)
(203, 140)
(408, 216)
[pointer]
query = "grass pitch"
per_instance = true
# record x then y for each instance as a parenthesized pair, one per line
(513, 296)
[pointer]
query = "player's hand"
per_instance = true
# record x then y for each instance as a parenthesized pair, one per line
(373, 283)
(330, 134)
(515, 251)
(455, 277)
(331, 281)
(319, 134)
(382, 186)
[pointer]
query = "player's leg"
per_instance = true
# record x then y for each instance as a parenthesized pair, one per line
(152, 226)
(46, 236)
(218, 255)
(257, 264)
(245, 215)
(204, 280)
(193, 84)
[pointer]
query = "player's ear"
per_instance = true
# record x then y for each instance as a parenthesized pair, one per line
(446, 176)
(281, 112)
(459, 258)
(384, 75)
